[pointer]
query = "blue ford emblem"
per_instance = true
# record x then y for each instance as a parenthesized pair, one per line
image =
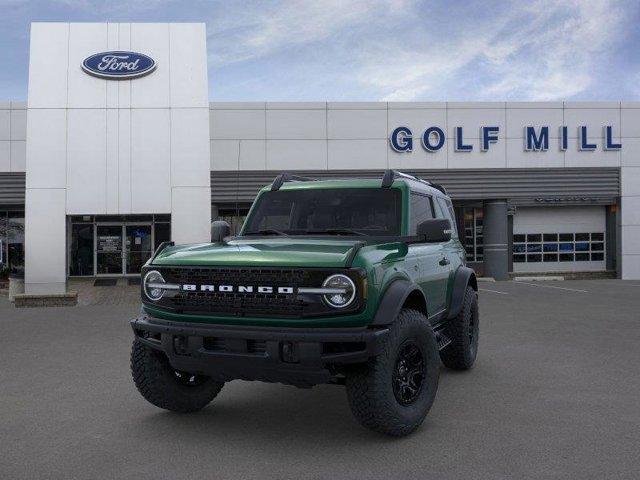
(118, 65)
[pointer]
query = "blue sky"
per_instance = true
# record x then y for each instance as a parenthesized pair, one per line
(359, 50)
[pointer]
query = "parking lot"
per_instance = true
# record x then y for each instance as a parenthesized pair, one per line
(555, 394)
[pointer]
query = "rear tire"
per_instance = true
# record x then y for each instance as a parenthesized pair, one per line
(165, 387)
(463, 330)
(392, 393)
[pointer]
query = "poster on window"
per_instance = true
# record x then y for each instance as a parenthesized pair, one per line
(109, 243)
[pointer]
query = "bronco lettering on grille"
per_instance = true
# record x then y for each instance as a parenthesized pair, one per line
(190, 287)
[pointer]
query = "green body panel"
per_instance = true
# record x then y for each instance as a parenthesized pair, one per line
(272, 251)
(383, 263)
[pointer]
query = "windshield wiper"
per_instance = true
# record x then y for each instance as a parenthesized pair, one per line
(268, 231)
(337, 231)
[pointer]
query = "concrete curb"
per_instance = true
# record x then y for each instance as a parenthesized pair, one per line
(538, 279)
(69, 299)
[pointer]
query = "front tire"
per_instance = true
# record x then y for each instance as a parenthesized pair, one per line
(165, 387)
(393, 392)
(463, 330)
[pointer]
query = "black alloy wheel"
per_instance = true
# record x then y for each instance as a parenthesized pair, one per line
(408, 374)
(393, 392)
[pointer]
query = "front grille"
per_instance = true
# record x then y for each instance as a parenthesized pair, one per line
(247, 304)
(237, 276)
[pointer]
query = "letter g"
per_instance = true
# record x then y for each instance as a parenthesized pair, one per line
(401, 139)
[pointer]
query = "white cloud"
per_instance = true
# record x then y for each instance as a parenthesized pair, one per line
(104, 7)
(546, 51)
(406, 50)
(402, 49)
(569, 50)
(248, 33)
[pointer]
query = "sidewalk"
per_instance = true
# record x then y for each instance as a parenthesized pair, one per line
(120, 294)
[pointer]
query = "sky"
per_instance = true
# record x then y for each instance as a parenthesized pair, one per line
(377, 50)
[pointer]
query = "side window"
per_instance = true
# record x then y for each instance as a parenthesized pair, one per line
(447, 211)
(421, 209)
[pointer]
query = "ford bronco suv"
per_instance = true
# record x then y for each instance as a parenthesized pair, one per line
(355, 282)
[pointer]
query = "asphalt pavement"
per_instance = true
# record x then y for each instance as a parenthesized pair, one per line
(555, 394)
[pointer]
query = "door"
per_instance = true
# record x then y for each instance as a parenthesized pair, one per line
(122, 249)
(138, 247)
(425, 260)
(431, 274)
(453, 252)
(109, 250)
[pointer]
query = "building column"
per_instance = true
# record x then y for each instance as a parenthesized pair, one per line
(45, 241)
(215, 213)
(190, 215)
(495, 239)
(611, 236)
(629, 266)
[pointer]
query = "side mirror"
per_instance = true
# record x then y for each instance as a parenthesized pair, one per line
(219, 230)
(435, 230)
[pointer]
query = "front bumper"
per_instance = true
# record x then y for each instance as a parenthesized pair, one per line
(296, 356)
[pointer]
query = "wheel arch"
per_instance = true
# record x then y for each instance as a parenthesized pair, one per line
(401, 293)
(463, 278)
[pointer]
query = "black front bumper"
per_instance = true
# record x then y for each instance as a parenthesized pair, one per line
(295, 356)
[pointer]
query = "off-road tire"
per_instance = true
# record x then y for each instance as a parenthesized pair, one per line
(463, 331)
(158, 383)
(370, 387)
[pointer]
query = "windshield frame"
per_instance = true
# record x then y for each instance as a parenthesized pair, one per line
(404, 192)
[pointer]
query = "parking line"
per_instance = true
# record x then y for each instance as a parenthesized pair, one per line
(492, 291)
(551, 286)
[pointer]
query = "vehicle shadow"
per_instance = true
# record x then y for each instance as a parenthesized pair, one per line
(267, 412)
(257, 412)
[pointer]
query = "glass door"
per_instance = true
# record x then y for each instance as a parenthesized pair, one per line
(138, 247)
(109, 250)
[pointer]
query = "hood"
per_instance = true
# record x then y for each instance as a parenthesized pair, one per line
(277, 252)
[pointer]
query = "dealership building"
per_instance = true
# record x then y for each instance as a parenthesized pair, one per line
(118, 148)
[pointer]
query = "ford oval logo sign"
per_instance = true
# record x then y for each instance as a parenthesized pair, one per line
(118, 65)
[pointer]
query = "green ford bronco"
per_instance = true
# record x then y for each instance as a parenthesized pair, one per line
(357, 282)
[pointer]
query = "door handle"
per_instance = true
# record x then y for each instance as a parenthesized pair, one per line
(444, 261)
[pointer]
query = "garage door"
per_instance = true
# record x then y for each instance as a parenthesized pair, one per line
(559, 239)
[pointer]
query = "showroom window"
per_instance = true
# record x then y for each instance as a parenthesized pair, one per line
(473, 239)
(11, 242)
(558, 247)
(81, 249)
(4, 268)
(114, 244)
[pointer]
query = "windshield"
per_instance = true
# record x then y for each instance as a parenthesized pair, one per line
(336, 211)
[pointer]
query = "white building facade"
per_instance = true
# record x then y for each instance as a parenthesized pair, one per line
(99, 170)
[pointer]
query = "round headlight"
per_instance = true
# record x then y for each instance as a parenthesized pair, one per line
(345, 291)
(151, 283)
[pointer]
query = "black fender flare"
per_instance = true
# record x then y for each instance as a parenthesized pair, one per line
(393, 299)
(463, 277)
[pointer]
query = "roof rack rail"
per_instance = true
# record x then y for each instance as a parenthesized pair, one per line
(287, 177)
(439, 187)
(390, 175)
